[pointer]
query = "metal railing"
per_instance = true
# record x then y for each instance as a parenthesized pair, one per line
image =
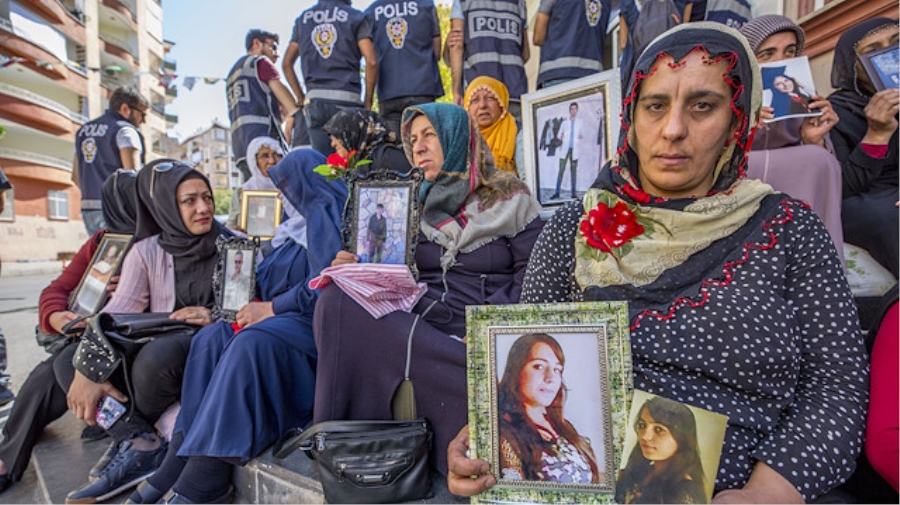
(42, 101)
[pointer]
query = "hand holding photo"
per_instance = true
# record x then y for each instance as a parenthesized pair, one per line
(671, 452)
(548, 390)
(883, 67)
(788, 88)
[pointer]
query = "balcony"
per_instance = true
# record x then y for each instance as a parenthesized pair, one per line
(35, 111)
(119, 49)
(120, 13)
(172, 91)
(14, 45)
(21, 163)
(171, 119)
(169, 67)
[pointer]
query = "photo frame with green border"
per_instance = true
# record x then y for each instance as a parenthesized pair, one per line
(609, 322)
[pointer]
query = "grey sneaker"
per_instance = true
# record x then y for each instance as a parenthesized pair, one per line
(126, 470)
(103, 462)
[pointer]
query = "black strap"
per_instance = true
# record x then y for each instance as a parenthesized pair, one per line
(67, 328)
(294, 438)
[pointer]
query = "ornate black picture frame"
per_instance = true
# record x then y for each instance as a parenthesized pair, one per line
(381, 219)
(91, 294)
(234, 280)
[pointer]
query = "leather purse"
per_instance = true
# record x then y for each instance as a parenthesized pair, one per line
(366, 461)
(109, 338)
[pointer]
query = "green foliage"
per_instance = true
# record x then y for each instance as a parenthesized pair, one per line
(223, 200)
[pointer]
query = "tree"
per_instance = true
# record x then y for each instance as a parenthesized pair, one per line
(443, 12)
(223, 200)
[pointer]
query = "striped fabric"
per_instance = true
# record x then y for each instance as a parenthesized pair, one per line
(380, 289)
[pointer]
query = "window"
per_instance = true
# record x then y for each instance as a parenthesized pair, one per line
(220, 134)
(59, 204)
(8, 213)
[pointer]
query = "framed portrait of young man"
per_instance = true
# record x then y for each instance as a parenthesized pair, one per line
(260, 213)
(569, 134)
(91, 293)
(381, 220)
(234, 280)
(549, 387)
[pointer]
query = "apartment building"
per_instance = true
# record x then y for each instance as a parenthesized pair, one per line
(209, 151)
(60, 61)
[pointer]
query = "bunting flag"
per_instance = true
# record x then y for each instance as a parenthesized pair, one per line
(166, 80)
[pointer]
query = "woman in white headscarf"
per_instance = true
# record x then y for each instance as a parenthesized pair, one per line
(262, 154)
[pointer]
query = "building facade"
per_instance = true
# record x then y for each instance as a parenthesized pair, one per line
(210, 152)
(61, 61)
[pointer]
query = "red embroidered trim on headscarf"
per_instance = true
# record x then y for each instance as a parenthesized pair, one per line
(727, 270)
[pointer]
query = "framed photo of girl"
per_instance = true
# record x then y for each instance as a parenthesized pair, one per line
(91, 293)
(568, 135)
(381, 220)
(234, 280)
(548, 392)
(260, 213)
(687, 439)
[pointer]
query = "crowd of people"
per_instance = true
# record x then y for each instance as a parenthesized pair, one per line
(738, 302)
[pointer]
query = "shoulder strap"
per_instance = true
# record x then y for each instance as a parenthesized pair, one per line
(299, 438)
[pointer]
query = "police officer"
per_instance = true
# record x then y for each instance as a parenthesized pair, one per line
(255, 91)
(489, 37)
(571, 35)
(329, 38)
(407, 38)
(104, 145)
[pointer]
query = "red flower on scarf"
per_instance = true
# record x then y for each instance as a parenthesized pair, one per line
(608, 228)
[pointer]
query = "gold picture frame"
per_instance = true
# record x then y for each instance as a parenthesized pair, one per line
(260, 213)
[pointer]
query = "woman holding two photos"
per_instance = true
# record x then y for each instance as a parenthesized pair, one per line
(737, 300)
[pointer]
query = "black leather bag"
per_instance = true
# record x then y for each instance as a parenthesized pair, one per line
(366, 461)
(109, 338)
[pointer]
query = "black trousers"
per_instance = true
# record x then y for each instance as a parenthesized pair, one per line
(155, 373)
(40, 402)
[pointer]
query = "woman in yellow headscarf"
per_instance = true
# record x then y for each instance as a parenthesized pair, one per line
(487, 101)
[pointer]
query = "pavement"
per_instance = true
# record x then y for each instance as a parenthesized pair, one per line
(61, 461)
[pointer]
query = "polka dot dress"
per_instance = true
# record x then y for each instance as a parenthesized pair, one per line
(777, 349)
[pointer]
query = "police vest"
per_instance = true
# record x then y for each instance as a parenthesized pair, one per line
(329, 51)
(252, 107)
(494, 31)
(401, 33)
(573, 46)
(98, 155)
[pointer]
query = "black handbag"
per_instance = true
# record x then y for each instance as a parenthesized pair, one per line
(109, 338)
(366, 461)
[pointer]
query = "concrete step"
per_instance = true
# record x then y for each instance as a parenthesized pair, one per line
(61, 462)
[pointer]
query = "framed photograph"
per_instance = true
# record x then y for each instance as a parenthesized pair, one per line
(91, 294)
(381, 219)
(883, 67)
(569, 132)
(660, 429)
(234, 281)
(549, 389)
(260, 213)
(788, 88)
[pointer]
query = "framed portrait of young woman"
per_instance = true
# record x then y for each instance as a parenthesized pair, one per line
(260, 213)
(91, 293)
(381, 219)
(549, 387)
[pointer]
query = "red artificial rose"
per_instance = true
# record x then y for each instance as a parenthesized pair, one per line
(336, 160)
(610, 228)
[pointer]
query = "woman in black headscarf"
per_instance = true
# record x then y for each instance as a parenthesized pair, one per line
(41, 400)
(366, 133)
(865, 142)
(737, 300)
(168, 269)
